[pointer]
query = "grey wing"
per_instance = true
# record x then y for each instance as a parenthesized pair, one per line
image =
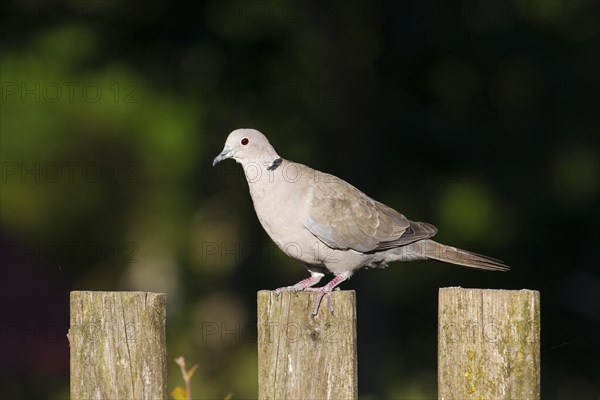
(343, 217)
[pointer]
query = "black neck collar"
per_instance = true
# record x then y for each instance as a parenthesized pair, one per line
(275, 164)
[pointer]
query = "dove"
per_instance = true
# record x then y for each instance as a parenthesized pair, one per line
(327, 224)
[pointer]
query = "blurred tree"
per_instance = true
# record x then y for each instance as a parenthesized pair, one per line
(479, 117)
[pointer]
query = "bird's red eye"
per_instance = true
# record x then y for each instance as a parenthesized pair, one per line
(245, 141)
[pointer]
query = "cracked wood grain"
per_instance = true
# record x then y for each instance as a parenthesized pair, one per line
(301, 357)
(117, 342)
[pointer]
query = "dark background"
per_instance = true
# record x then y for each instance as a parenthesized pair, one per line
(480, 117)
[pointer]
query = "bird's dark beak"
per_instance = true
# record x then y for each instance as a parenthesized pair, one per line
(225, 154)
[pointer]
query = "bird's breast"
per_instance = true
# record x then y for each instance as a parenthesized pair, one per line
(280, 206)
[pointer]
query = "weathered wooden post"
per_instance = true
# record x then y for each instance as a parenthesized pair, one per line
(488, 344)
(118, 348)
(305, 357)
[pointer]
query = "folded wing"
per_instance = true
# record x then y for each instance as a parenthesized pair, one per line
(343, 218)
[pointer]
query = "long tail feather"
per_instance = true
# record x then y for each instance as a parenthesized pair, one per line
(441, 252)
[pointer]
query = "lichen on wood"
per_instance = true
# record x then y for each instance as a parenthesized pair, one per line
(488, 344)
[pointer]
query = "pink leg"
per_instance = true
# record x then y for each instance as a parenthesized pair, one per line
(314, 278)
(326, 290)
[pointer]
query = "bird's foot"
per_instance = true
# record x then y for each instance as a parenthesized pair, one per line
(326, 290)
(321, 292)
(302, 285)
(292, 288)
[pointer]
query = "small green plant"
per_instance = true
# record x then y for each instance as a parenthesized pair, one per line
(180, 393)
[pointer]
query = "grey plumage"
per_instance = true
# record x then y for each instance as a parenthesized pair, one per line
(328, 224)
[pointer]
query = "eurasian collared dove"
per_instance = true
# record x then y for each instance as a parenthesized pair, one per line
(329, 225)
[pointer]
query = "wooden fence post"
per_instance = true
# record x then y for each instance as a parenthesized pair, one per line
(488, 344)
(305, 357)
(117, 342)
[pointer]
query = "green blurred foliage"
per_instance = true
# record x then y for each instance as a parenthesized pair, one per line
(479, 117)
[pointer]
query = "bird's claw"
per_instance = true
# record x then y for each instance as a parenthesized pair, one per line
(286, 289)
(326, 290)
(320, 294)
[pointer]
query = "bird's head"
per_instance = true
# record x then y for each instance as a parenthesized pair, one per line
(247, 145)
